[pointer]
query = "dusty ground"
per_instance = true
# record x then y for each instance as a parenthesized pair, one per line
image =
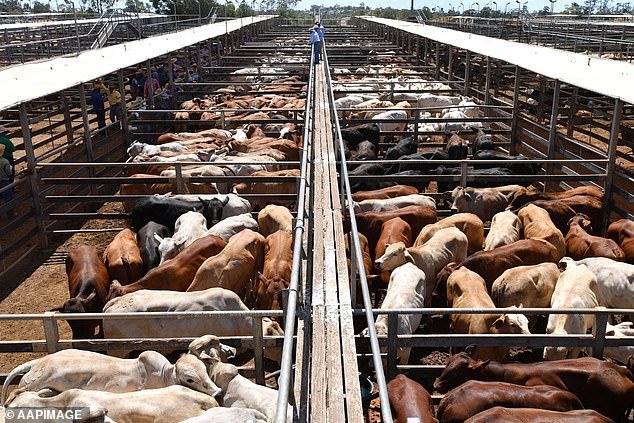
(45, 286)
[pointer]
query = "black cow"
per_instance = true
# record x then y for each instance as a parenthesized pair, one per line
(148, 244)
(165, 210)
(482, 142)
(478, 183)
(364, 170)
(404, 147)
(423, 167)
(457, 147)
(365, 151)
(356, 134)
(420, 185)
(514, 163)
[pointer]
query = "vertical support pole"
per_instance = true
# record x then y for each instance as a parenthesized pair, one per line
(178, 167)
(124, 107)
(572, 112)
(150, 84)
(67, 122)
(450, 64)
(487, 86)
(258, 348)
(514, 123)
(33, 179)
(416, 121)
(552, 133)
(467, 70)
(437, 74)
(598, 332)
(392, 345)
(354, 284)
(463, 173)
(611, 165)
(51, 332)
(417, 51)
(87, 135)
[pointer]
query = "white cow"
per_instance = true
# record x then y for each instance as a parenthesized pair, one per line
(226, 414)
(239, 391)
(165, 405)
(622, 330)
(230, 226)
(615, 281)
(188, 157)
(483, 202)
(445, 246)
(235, 205)
(188, 228)
(399, 116)
(576, 288)
(408, 288)
(212, 299)
(434, 100)
(506, 228)
(462, 125)
(68, 369)
(137, 148)
(531, 286)
(394, 203)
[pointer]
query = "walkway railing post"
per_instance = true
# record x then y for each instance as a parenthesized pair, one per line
(611, 165)
(552, 134)
(87, 135)
(516, 98)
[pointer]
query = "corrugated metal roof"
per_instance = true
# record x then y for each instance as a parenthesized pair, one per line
(37, 79)
(608, 77)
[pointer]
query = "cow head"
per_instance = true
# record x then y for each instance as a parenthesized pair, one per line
(135, 149)
(582, 220)
(208, 348)
(460, 368)
(395, 255)
(511, 323)
(166, 248)
(462, 199)
(212, 209)
(271, 328)
(192, 373)
(270, 292)
(82, 329)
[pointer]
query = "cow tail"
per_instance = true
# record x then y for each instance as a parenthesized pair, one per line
(22, 369)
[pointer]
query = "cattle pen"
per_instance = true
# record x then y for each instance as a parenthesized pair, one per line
(565, 112)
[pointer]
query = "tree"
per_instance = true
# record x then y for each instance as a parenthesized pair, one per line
(10, 6)
(136, 6)
(41, 7)
(97, 6)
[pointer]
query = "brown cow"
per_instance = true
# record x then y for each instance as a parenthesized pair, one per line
(537, 224)
(123, 259)
(88, 284)
(384, 193)
(600, 385)
(234, 267)
(475, 396)
(393, 230)
(564, 209)
(491, 264)
(529, 415)
(580, 244)
(410, 399)
(175, 274)
(417, 217)
(287, 187)
(532, 194)
(622, 232)
(276, 275)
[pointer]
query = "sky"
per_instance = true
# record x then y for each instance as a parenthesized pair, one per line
(418, 4)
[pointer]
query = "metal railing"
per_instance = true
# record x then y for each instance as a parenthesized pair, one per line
(356, 255)
(284, 381)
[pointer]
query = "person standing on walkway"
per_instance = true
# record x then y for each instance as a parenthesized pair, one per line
(9, 148)
(96, 99)
(320, 30)
(6, 176)
(114, 99)
(315, 41)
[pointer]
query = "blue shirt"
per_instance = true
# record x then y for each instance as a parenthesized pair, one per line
(314, 37)
(321, 31)
(96, 98)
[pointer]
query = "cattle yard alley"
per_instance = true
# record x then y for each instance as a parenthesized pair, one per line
(340, 228)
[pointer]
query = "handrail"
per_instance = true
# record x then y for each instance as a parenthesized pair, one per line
(284, 381)
(386, 412)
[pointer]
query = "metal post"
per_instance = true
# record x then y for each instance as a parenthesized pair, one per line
(124, 107)
(51, 332)
(258, 342)
(572, 112)
(611, 165)
(437, 74)
(514, 123)
(463, 173)
(178, 167)
(487, 86)
(552, 133)
(87, 134)
(150, 83)
(353, 272)
(67, 122)
(450, 65)
(598, 332)
(466, 72)
(416, 121)
(33, 179)
(392, 345)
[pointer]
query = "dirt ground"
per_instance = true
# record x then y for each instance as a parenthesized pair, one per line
(45, 286)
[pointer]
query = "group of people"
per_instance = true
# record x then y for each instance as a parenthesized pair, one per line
(316, 38)
(109, 91)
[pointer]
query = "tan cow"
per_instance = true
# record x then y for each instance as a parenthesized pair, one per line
(123, 259)
(506, 228)
(531, 286)
(470, 224)
(276, 275)
(234, 267)
(467, 289)
(538, 225)
(274, 218)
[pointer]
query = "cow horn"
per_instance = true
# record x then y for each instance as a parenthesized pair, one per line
(471, 349)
